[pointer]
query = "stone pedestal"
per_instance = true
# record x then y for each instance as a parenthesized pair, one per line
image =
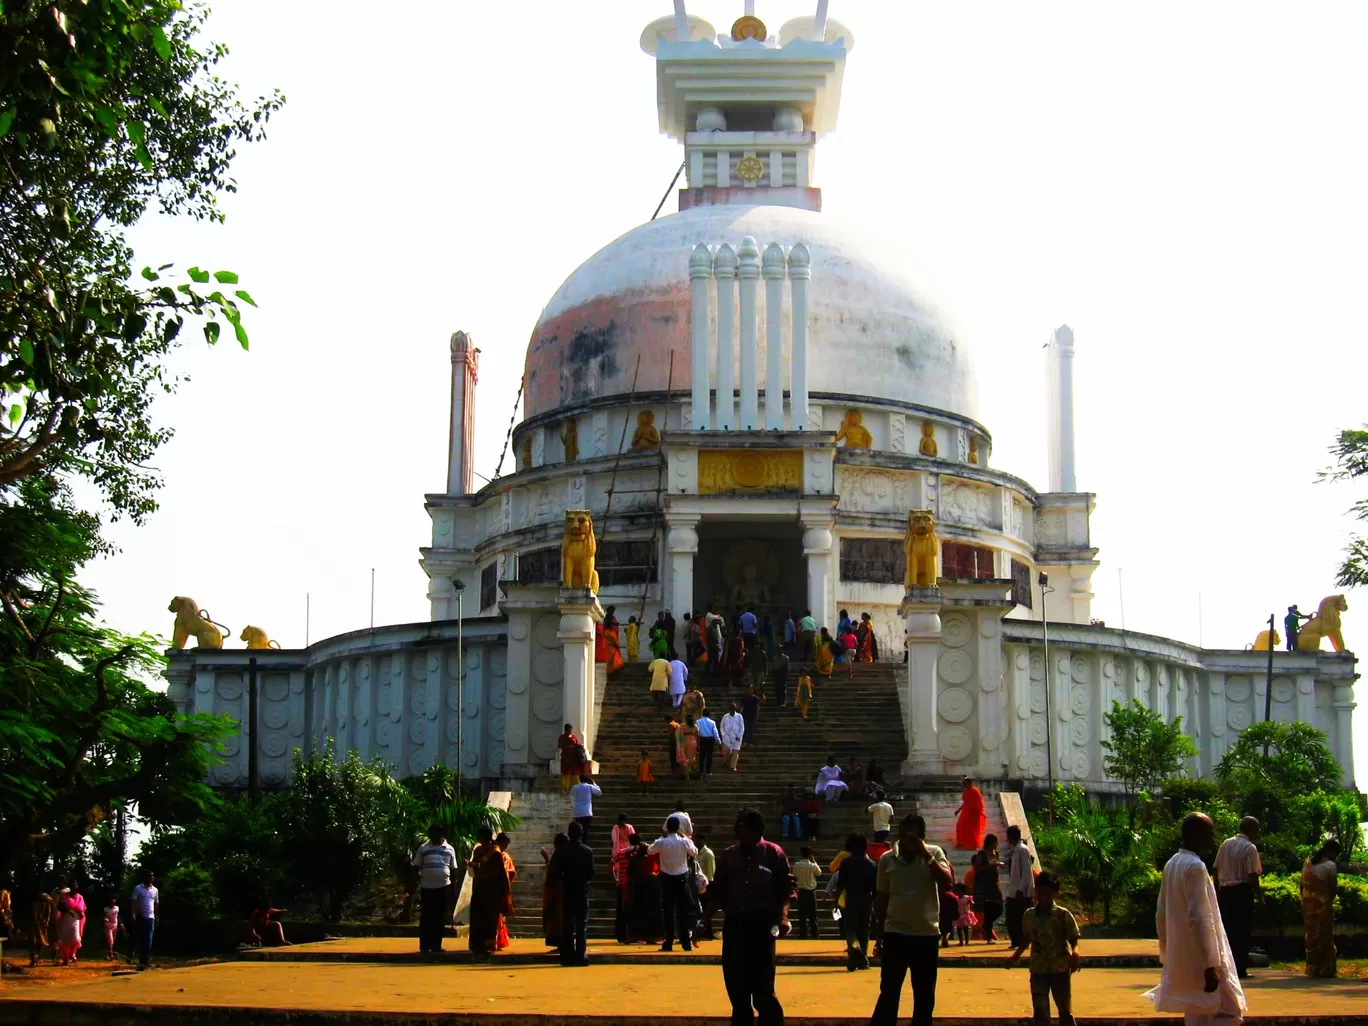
(920, 610)
(579, 613)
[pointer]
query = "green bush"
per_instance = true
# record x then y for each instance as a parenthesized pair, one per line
(1282, 901)
(1280, 853)
(1351, 901)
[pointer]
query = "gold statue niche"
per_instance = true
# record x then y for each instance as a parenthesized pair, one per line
(921, 548)
(194, 622)
(570, 437)
(1325, 624)
(928, 445)
(853, 431)
(256, 638)
(578, 550)
(646, 436)
(973, 450)
(527, 450)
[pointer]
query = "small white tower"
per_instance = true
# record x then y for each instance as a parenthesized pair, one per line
(1059, 386)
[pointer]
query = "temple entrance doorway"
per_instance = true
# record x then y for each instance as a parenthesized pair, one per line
(751, 563)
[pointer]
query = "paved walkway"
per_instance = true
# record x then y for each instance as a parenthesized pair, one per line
(547, 995)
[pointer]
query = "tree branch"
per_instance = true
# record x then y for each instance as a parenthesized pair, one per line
(14, 616)
(36, 644)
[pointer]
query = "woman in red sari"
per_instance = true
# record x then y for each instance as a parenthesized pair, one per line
(972, 819)
(501, 935)
(490, 894)
(869, 647)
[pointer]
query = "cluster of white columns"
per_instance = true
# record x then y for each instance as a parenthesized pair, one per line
(734, 275)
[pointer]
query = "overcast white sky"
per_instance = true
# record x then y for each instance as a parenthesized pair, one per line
(1182, 183)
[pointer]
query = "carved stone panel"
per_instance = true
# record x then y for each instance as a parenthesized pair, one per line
(724, 471)
(875, 560)
(865, 490)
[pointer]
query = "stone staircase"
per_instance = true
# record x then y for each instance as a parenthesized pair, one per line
(849, 717)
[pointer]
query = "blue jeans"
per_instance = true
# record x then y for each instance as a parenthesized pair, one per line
(143, 928)
(791, 826)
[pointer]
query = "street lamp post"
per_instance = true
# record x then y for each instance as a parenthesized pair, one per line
(459, 586)
(1045, 589)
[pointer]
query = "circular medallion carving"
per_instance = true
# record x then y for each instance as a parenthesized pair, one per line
(229, 688)
(955, 705)
(1037, 666)
(1237, 689)
(1141, 673)
(418, 700)
(989, 744)
(1024, 761)
(204, 683)
(496, 726)
(1065, 664)
(1238, 717)
(1108, 669)
(516, 741)
(275, 716)
(225, 775)
(1023, 660)
(364, 671)
(273, 776)
(360, 712)
(544, 742)
(498, 698)
(1306, 685)
(297, 684)
(749, 169)
(384, 732)
(1080, 700)
(1037, 698)
(498, 662)
(418, 731)
(473, 659)
(955, 743)
(517, 685)
(1038, 766)
(544, 631)
(990, 685)
(277, 687)
(956, 630)
(382, 700)
(1037, 730)
(232, 745)
(517, 628)
(1079, 731)
(420, 761)
(1081, 765)
(472, 708)
(470, 759)
(1079, 669)
(546, 706)
(988, 628)
(548, 667)
(274, 745)
(955, 666)
(1284, 690)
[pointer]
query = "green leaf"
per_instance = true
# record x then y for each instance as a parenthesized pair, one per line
(137, 131)
(108, 120)
(211, 331)
(225, 277)
(150, 274)
(171, 329)
(6, 119)
(144, 158)
(158, 106)
(16, 412)
(160, 43)
(241, 333)
(242, 295)
(196, 275)
(167, 295)
(26, 351)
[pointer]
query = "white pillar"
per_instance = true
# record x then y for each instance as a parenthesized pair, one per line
(700, 271)
(465, 367)
(1344, 732)
(748, 271)
(773, 270)
(579, 611)
(724, 270)
(682, 544)
(1059, 382)
(921, 629)
(681, 22)
(817, 545)
(800, 270)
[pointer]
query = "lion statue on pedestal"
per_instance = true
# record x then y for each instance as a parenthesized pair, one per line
(1325, 624)
(578, 551)
(256, 638)
(194, 622)
(921, 548)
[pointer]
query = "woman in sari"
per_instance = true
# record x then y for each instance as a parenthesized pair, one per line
(612, 650)
(72, 908)
(686, 747)
(869, 645)
(501, 935)
(553, 896)
(633, 639)
(972, 819)
(826, 653)
(1319, 878)
(490, 894)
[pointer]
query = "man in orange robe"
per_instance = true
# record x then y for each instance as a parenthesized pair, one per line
(972, 819)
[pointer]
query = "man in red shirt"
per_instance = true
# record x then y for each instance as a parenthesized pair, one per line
(754, 887)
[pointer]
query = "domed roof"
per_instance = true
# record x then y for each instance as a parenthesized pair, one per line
(872, 332)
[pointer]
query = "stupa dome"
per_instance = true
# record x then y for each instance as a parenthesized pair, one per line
(873, 332)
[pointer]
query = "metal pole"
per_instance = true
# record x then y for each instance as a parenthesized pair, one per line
(253, 756)
(372, 597)
(460, 685)
(306, 619)
(1049, 723)
(1268, 684)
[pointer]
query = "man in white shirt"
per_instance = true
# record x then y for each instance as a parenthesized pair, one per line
(436, 862)
(1019, 890)
(675, 851)
(146, 897)
(733, 729)
(882, 814)
(582, 797)
(1238, 868)
(679, 673)
(1199, 977)
(708, 737)
(685, 821)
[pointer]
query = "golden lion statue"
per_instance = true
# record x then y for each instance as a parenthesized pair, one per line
(921, 548)
(1325, 624)
(256, 638)
(1261, 643)
(578, 551)
(194, 622)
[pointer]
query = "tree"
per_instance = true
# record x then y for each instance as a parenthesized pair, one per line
(1351, 462)
(1143, 749)
(1287, 758)
(81, 735)
(1098, 848)
(107, 109)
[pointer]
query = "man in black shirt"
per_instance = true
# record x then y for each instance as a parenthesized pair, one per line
(573, 865)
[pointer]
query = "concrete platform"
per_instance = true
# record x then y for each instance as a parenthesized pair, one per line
(367, 994)
(1126, 953)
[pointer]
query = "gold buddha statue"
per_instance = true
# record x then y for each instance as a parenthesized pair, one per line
(853, 432)
(646, 435)
(928, 445)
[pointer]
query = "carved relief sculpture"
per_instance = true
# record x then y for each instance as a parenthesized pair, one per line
(973, 450)
(578, 551)
(921, 548)
(646, 436)
(853, 432)
(723, 471)
(571, 439)
(256, 638)
(194, 622)
(928, 445)
(1325, 624)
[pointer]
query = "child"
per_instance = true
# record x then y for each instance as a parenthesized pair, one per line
(1052, 934)
(112, 929)
(949, 912)
(806, 872)
(964, 918)
(810, 814)
(850, 643)
(802, 697)
(644, 774)
(261, 925)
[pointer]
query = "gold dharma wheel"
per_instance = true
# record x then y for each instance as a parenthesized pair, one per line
(749, 169)
(748, 26)
(748, 469)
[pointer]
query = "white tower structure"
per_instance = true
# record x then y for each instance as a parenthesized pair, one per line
(1059, 389)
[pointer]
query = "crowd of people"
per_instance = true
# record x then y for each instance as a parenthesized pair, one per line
(56, 920)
